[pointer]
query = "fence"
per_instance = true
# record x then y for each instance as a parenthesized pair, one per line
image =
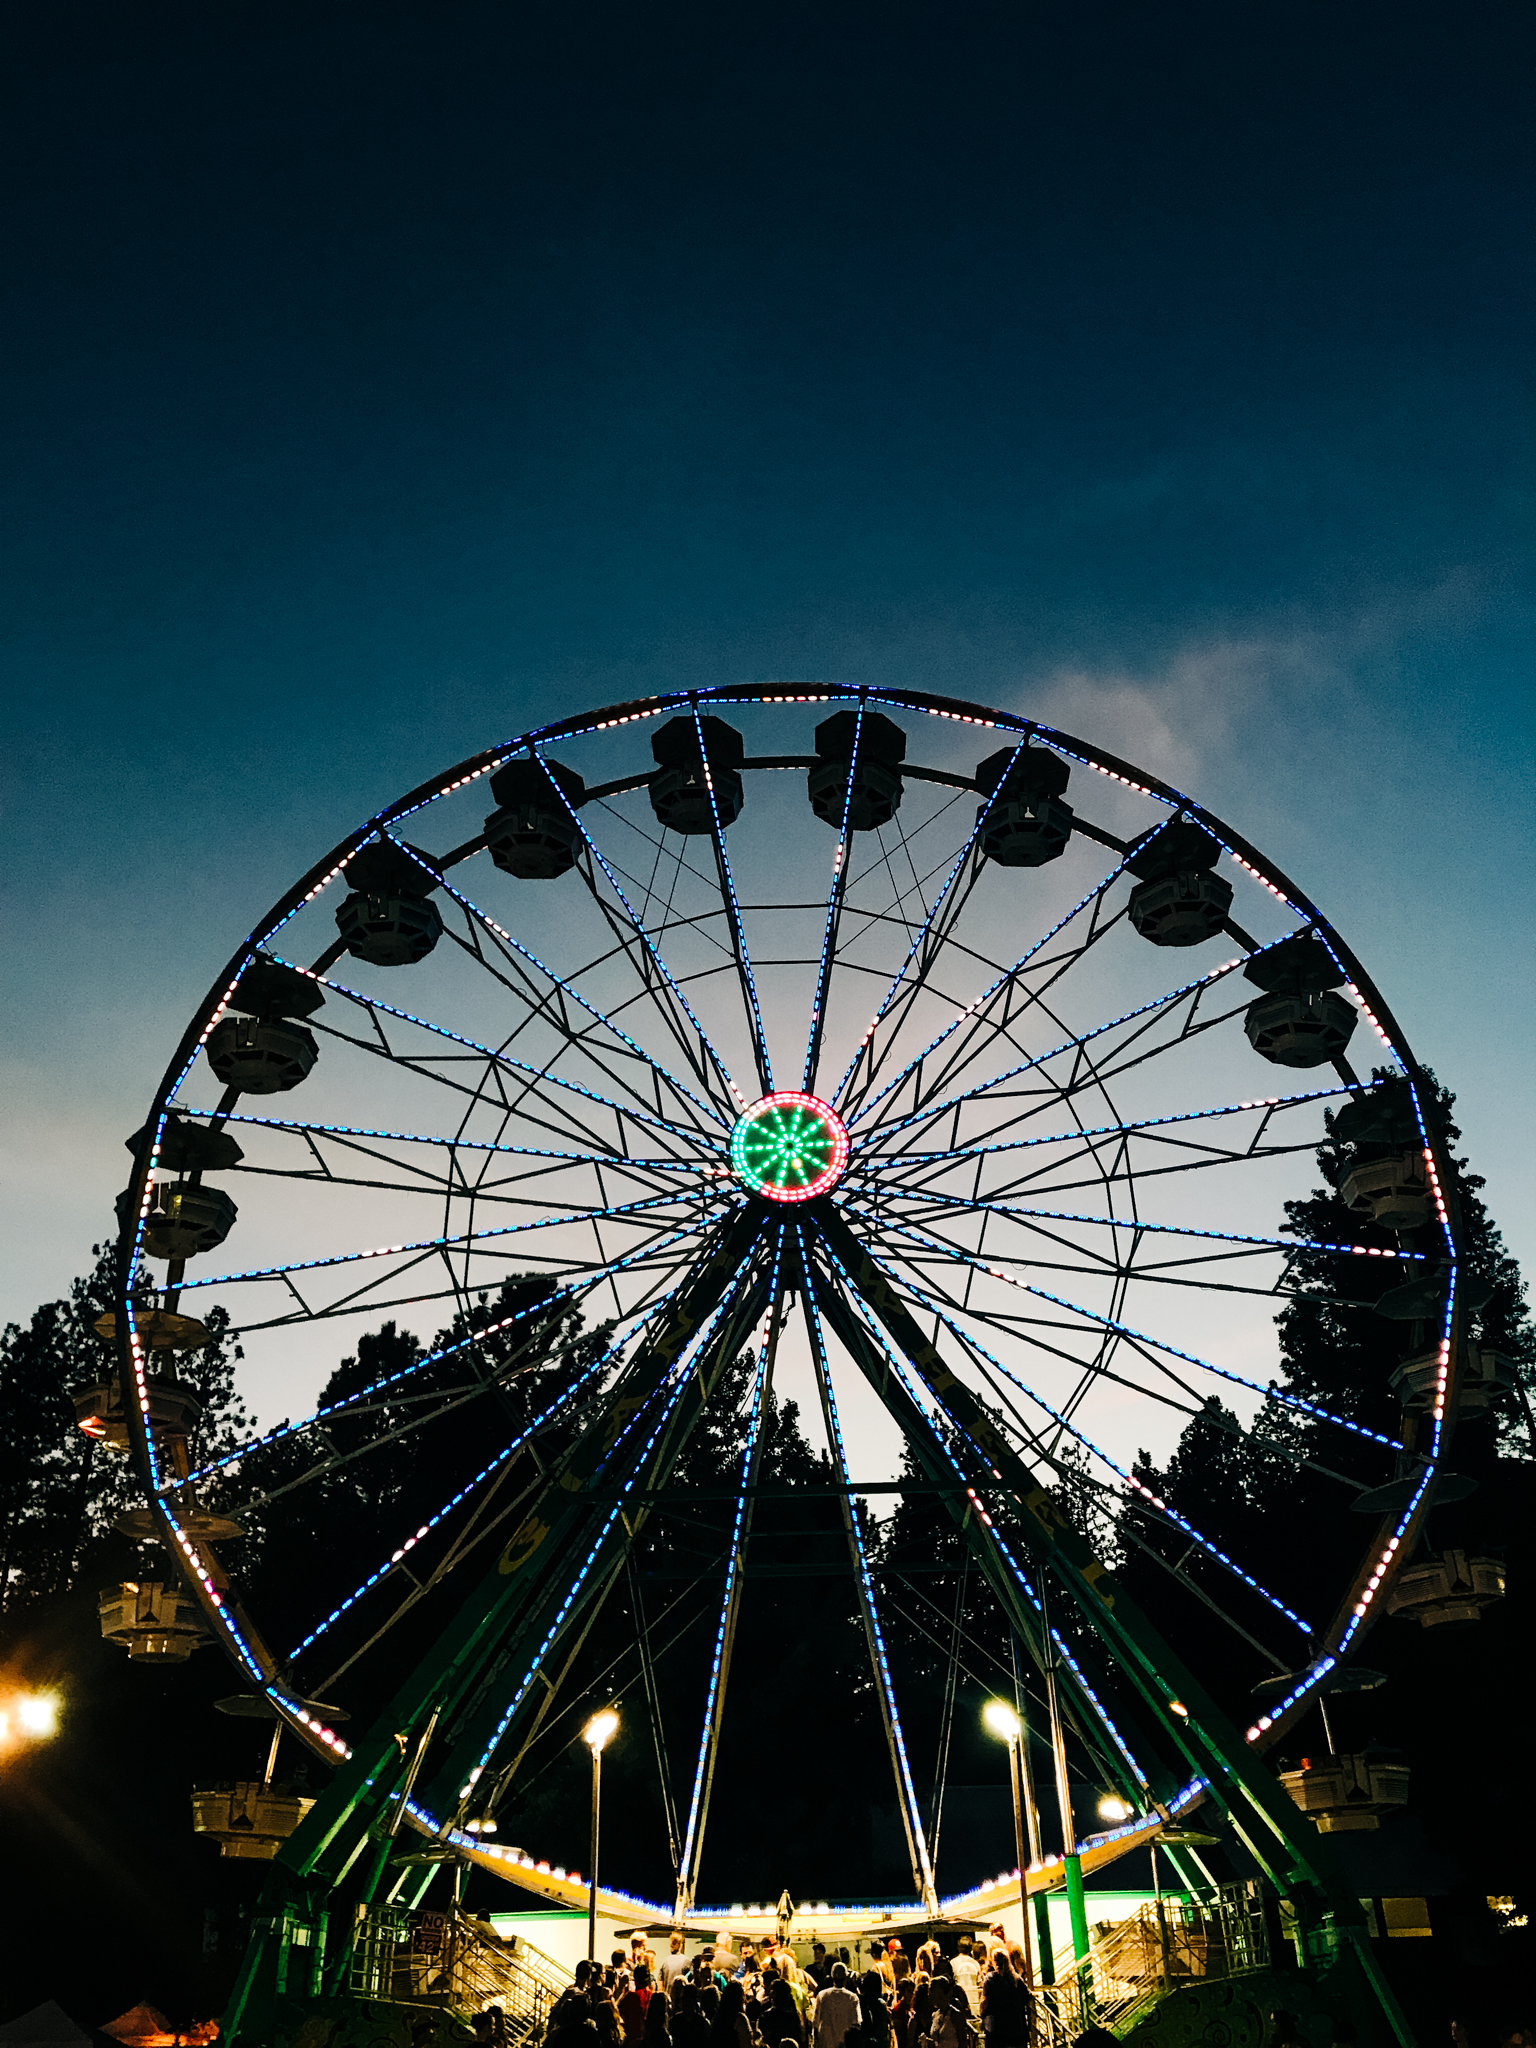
(454, 1962)
(1132, 1963)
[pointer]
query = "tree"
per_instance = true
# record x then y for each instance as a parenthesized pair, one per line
(60, 1490)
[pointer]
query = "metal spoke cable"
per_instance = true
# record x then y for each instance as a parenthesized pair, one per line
(460, 1237)
(1146, 1123)
(934, 1111)
(738, 934)
(703, 1774)
(921, 934)
(645, 939)
(566, 987)
(541, 1307)
(674, 1387)
(1141, 1336)
(995, 1535)
(1137, 1226)
(563, 1401)
(978, 1007)
(834, 904)
(374, 1004)
(917, 1842)
(1097, 1451)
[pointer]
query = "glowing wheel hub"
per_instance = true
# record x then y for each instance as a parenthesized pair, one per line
(789, 1148)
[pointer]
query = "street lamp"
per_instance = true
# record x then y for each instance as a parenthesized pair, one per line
(28, 1717)
(999, 1719)
(594, 1735)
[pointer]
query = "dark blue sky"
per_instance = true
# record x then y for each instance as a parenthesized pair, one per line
(382, 378)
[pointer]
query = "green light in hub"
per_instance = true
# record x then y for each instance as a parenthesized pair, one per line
(789, 1148)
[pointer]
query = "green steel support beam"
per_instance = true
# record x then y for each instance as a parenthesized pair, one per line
(1004, 1586)
(1267, 1819)
(457, 1675)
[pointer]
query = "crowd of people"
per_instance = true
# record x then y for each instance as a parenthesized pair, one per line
(760, 1996)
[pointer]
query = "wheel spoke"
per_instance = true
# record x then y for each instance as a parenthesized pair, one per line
(916, 1388)
(835, 897)
(1137, 1226)
(429, 1244)
(1095, 1450)
(906, 1790)
(557, 1407)
(1001, 987)
(952, 1252)
(573, 1290)
(725, 1633)
(498, 1059)
(652, 952)
(550, 1013)
(733, 908)
(919, 943)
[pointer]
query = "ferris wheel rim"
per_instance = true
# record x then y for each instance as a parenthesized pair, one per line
(133, 1359)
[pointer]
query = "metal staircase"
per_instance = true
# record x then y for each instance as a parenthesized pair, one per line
(454, 1962)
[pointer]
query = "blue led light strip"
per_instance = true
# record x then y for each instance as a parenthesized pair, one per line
(975, 1008)
(964, 1338)
(866, 1584)
(584, 1285)
(644, 936)
(744, 958)
(1146, 1123)
(732, 1572)
(560, 1402)
(1073, 1044)
(834, 897)
(927, 925)
(680, 1379)
(1136, 1226)
(616, 1160)
(482, 917)
(899, 1367)
(502, 1059)
(1120, 1329)
(463, 1237)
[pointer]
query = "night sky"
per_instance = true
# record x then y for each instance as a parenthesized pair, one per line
(381, 379)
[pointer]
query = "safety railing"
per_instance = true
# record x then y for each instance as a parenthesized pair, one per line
(1134, 1962)
(456, 1962)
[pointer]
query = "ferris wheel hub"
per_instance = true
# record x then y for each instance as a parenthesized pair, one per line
(789, 1147)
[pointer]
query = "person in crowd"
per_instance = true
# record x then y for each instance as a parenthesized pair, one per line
(704, 1972)
(836, 2010)
(781, 2025)
(966, 1974)
(874, 2014)
(818, 1969)
(709, 2003)
(689, 2028)
(1004, 2005)
(658, 2022)
(901, 2015)
(943, 2027)
(673, 1966)
(730, 2027)
(799, 1983)
(748, 1959)
(605, 2018)
(922, 2003)
(632, 2005)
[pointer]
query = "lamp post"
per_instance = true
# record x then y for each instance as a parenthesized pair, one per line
(1000, 1720)
(594, 1735)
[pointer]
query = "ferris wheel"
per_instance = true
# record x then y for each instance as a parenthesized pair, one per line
(918, 1049)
